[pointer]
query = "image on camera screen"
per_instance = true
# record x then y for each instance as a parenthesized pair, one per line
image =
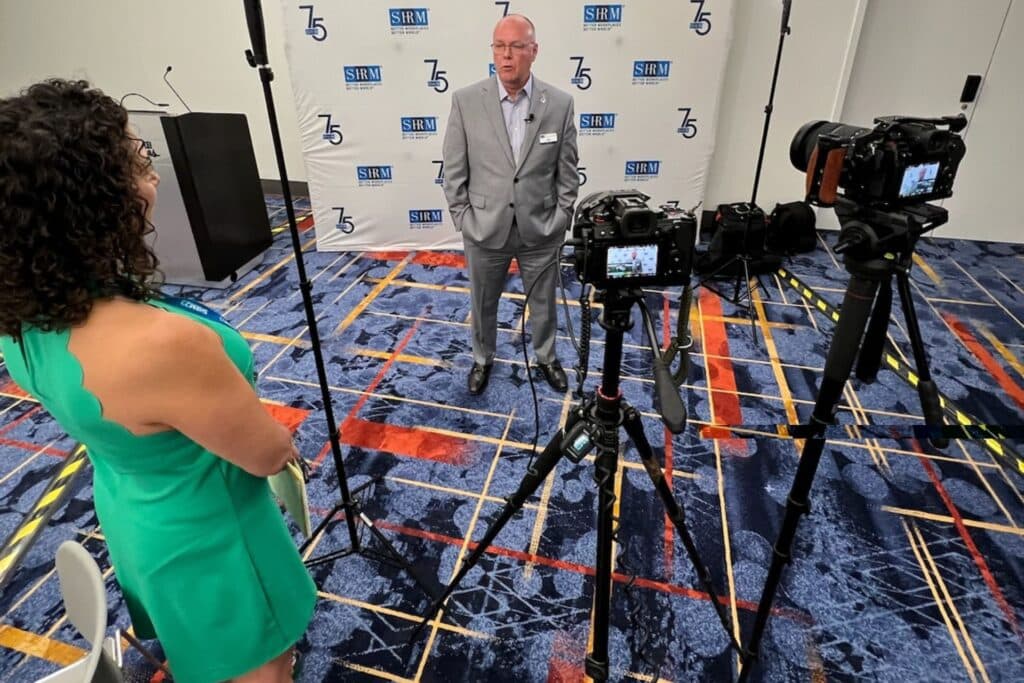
(638, 260)
(919, 179)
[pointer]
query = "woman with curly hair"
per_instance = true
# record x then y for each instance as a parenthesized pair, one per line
(161, 395)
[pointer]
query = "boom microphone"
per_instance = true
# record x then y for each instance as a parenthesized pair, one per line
(167, 71)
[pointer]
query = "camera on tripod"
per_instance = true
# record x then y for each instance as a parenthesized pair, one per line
(888, 173)
(903, 160)
(620, 242)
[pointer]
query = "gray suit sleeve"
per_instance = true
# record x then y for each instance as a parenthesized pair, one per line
(456, 165)
(568, 178)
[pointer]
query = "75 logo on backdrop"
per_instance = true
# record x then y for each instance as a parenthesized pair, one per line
(344, 223)
(701, 24)
(314, 25)
(437, 80)
(688, 128)
(439, 180)
(581, 79)
(332, 131)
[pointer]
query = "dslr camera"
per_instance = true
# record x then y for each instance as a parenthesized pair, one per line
(620, 241)
(903, 160)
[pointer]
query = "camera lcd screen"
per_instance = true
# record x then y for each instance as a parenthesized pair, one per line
(638, 260)
(920, 179)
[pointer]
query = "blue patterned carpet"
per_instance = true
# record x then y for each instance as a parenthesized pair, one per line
(909, 568)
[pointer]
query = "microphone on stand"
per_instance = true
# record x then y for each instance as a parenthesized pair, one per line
(138, 94)
(173, 90)
(786, 4)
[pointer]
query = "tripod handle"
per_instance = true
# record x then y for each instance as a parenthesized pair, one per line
(670, 404)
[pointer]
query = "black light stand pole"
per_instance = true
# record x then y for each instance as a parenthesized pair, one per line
(257, 58)
(784, 31)
(744, 256)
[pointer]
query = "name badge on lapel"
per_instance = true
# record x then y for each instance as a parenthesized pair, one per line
(547, 138)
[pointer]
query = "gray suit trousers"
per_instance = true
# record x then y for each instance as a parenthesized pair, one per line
(488, 271)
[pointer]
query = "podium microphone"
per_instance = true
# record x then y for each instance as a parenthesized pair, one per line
(138, 94)
(167, 71)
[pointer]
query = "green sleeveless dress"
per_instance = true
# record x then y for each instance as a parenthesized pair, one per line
(199, 546)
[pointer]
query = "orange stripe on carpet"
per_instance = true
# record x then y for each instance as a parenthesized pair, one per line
(305, 224)
(386, 255)
(566, 652)
(443, 259)
(987, 359)
(286, 416)
(725, 404)
(12, 389)
(410, 441)
(965, 535)
(666, 339)
(33, 447)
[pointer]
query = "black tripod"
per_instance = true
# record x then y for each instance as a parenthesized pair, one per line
(594, 425)
(876, 245)
(349, 505)
(745, 254)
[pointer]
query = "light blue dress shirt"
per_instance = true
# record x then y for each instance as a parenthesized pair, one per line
(515, 113)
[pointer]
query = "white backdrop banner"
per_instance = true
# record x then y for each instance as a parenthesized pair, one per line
(373, 83)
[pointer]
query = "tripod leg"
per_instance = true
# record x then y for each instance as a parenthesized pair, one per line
(874, 339)
(853, 318)
(543, 466)
(635, 430)
(926, 389)
(605, 473)
(750, 302)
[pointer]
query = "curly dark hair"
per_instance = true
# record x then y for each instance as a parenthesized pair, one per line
(72, 227)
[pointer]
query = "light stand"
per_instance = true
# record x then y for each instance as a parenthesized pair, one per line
(745, 257)
(349, 505)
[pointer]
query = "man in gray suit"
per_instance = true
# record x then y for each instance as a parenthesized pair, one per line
(511, 181)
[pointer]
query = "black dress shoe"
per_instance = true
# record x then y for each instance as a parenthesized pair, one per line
(478, 376)
(555, 375)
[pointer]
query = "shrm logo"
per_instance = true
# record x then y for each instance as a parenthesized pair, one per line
(601, 17)
(363, 76)
(408, 20)
(425, 218)
(374, 176)
(597, 124)
(418, 127)
(419, 124)
(651, 70)
(642, 170)
(408, 16)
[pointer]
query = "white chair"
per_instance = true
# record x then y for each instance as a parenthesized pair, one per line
(85, 602)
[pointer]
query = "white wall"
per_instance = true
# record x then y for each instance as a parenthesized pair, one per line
(816, 59)
(125, 45)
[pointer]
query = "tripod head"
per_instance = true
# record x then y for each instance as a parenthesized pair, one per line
(869, 234)
(616, 320)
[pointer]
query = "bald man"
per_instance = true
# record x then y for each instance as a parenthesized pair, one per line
(511, 182)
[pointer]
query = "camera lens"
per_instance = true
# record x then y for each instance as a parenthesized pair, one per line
(806, 139)
(803, 144)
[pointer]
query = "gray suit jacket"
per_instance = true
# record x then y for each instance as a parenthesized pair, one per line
(482, 184)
